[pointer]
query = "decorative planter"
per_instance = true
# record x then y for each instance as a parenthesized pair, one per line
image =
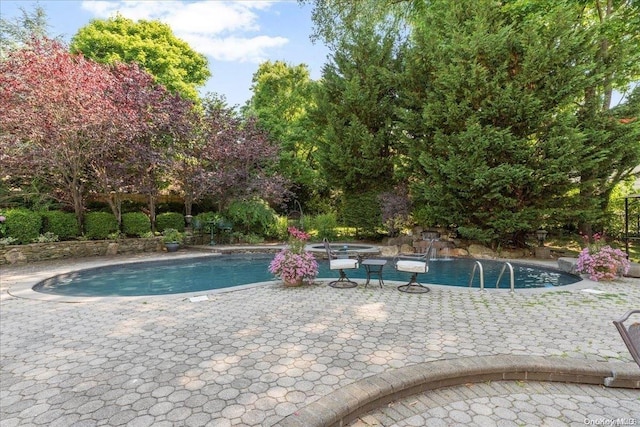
(172, 247)
(293, 283)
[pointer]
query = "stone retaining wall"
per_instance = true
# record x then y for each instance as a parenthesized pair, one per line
(34, 252)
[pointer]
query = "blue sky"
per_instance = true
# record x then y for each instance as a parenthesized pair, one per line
(235, 36)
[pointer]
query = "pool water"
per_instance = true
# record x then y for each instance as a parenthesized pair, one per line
(218, 272)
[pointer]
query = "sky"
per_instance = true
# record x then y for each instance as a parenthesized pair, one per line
(235, 36)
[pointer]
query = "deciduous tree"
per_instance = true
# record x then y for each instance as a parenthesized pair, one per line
(56, 118)
(225, 159)
(283, 97)
(151, 44)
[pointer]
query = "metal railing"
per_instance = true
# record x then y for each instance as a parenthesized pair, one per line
(512, 280)
(477, 266)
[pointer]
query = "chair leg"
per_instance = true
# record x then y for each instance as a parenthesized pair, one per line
(343, 282)
(414, 287)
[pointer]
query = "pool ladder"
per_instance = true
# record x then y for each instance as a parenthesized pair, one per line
(478, 266)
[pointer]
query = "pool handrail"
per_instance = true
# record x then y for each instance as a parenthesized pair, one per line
(512, 280)
(477, 265)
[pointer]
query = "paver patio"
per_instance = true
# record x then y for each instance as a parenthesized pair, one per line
(255, 356)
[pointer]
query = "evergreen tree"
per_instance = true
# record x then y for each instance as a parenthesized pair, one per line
(490, 136)
(355, 110)
(14, 34)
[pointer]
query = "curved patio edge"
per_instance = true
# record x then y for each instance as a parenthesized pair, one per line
(346, 404)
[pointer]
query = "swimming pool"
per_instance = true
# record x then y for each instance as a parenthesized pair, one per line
(219, 272)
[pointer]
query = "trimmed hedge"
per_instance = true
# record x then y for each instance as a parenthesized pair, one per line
(170, 220)
(99, 225)
(135, 224)
(23, 225)
(62, 224)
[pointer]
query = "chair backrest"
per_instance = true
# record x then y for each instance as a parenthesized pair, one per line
(630, 335)
(426, 255)
(327, 247)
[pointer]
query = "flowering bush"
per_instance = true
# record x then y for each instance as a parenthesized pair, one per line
(601, 261)
(294, 264)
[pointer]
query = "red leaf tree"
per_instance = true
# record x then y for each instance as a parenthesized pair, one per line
(137, 160)
(227, 159)
(57, 117)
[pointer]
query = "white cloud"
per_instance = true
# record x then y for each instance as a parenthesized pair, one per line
(239, 49)
(219, 29)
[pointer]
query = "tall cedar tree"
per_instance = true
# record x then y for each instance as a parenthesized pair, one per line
(489, 132)
(355, 111)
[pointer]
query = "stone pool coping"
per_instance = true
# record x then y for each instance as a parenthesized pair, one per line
(348, 403)
(20, 285)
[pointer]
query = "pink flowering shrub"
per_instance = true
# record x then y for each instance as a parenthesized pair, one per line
(602, 262)
(294, 263)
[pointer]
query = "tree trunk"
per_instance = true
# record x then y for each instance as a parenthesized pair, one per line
(152, 211)
(188, 203)
(115, 203)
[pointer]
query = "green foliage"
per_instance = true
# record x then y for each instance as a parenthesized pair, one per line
(100, 225)
(22, 225)
(325, 226)
(135, 224)
(252, 216)
(356, 113)
(204, 220)
(47, 237)
(171, 235)
(62, 224)
(15, 34)
(614, 225)
(362, 211)
(489, 126)
(151, 44)
(248, 239)
(611, 153)
(170, 220)
(280, 227)
(282, 99)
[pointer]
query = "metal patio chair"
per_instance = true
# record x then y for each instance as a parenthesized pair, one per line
(414, 264)
(341, 260)
(630, 334)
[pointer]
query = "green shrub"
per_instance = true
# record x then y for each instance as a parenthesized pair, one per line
(23, 225)
(99, 225)
(171, 235)
(247, 239)
(135, 224)
(201, 222)
(252, 216)
(170, 220)
(325, 226)
(363, 212)
(62, 224)
(280, 227)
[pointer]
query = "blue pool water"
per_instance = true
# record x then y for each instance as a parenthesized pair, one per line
(217, 272)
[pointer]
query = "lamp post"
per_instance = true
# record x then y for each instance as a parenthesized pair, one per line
(541, 235)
